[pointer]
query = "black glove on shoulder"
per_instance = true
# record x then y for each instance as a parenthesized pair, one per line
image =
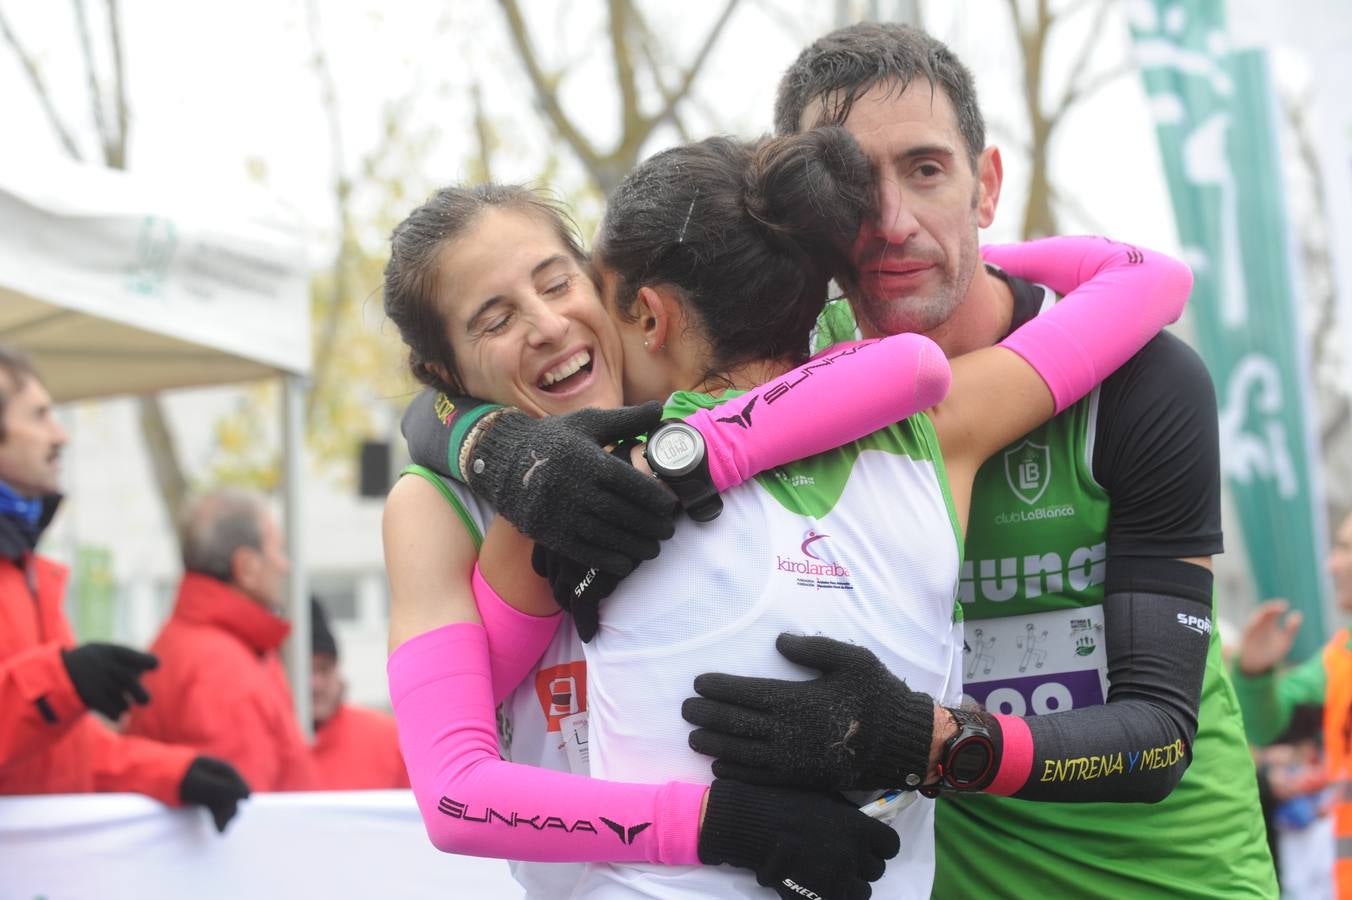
(105, 675)
(215, 784)
(857, 727)
(553, 479)
(800, 843)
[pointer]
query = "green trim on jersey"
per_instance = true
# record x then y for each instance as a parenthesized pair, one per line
(813, 486)
(456, 503)
(835, 325)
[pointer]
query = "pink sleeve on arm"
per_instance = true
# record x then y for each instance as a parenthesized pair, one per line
(840, 395)
(1118, 298)
(516, 641)
(474, 803)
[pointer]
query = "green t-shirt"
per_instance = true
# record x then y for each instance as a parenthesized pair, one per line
(1268, 700)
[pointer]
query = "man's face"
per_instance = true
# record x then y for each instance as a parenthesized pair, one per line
(30, 452)
(326, 687)
(1340, 564)
(917, 255)
(261, 573)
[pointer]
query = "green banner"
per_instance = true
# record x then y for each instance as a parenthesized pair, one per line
(1217, 131)
(92, 597)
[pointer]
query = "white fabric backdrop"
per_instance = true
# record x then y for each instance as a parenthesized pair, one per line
(334, 845)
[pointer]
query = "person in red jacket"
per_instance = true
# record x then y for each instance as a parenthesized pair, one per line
(220, 686)
(355, 749)
(49, 744)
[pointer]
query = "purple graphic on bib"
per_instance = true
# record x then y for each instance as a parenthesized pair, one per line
(1038, 695)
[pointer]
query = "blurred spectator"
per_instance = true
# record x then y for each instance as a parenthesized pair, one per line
(355, 748)
(49, 744)
(1269, 697)
(220, 686)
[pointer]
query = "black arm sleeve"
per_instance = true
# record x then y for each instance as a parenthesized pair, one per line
(1157, 625)
(1157, 455)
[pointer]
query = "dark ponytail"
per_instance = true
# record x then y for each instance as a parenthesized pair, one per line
(751, 233)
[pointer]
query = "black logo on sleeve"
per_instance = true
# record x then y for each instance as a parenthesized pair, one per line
(743, 418)
(512, 819)
(626, 834)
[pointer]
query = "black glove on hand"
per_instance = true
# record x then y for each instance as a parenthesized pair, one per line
(104, 674)
(857, 727)
(801, 843)
(215, 784)
(553, 479)
(578, 589)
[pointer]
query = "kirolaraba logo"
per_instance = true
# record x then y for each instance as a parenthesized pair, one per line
(562, 691)
(817, 561)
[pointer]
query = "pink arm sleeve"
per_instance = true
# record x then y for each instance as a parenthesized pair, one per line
(474, 803)
(1118, 298)
(865, 386)
(516, 641)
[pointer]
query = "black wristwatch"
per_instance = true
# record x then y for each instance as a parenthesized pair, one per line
(967, 761)
(676, 453)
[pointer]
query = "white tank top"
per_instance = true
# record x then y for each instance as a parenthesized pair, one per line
(547, 712)
(859, 544)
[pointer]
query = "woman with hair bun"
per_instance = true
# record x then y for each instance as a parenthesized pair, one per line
(714, 260)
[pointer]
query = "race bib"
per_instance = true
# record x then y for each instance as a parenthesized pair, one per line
(1037, 664)
(573, 730)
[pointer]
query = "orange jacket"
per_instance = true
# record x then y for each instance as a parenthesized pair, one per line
(1338, 753)
(49, 743)
(220, 687)
(357, 749)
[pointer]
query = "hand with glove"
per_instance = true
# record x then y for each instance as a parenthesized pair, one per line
(215, 784)
(108, 676)
(857, 727)
(578, 589)
(553, 479)
(800, 843)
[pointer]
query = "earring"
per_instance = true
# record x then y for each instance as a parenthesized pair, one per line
(645, 343)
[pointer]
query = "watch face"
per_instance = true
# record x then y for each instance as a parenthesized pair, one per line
(970, 760)
(675, 448)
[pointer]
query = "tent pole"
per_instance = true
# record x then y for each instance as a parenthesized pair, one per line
(298, 594)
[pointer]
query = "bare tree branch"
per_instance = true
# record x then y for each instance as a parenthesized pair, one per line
(483, 131)
(690, 73)
(119, 80)
(40, 89)
(545, 88)
(1087, 88)
(631, 117)
(1078, 67)
(92, 77)
(333, 315)
(159, 440)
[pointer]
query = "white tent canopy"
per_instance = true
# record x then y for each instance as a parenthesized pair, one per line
(119, 284)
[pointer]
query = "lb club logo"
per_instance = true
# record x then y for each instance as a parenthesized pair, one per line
(1028, 469)
(562, 691)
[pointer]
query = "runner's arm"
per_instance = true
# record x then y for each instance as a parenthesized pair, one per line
(1269, 699)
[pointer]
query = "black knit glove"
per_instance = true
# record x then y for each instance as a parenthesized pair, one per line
(800, 843)
(553, 479)
(857, 727)
(578, 589)
(215, 784)
(108, 676)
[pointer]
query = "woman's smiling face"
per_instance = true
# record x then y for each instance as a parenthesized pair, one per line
(524, 319)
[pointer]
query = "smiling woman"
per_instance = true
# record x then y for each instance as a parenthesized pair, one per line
(488, 289)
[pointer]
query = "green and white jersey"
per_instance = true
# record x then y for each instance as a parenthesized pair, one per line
(1031, 592)
(859, 543)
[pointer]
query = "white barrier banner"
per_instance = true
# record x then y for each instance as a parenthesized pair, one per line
(114, 846)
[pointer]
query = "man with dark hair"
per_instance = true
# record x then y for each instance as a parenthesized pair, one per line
(1087, 560)
(356, 749)
(220, 684)
(49, 744)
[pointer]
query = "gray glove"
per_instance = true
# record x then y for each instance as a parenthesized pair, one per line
(553, 479)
